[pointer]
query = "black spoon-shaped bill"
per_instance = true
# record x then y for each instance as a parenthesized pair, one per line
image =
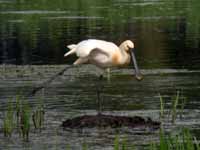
(138, 75)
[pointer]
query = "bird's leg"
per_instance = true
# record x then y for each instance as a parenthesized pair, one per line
(99, 100)
(108, 74)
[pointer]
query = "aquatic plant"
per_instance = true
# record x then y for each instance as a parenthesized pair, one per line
(68, 147)
(18, 108)
(18, 117)
(4, 70)
(183, 102)
(181, 141)
(38, 114)
(152, 146)
(84, 146)
(122, 145)
(176, 101)
(161, 106)
(197, 143)
(38, 118)
(25, 121)
(116, 143)
(174, 106)
(8, 122)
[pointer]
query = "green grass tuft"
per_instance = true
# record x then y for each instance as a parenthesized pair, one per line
(84, 146)
(38, 118)
(116, 143)
(181, 141)
(161, 107)
(8, 122)
(174, 106)
(178, 102)
(25, 121)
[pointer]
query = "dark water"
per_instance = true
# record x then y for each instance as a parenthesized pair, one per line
(74, 94)
(166, 33)
(167, 39)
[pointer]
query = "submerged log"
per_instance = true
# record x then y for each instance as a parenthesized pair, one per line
(100, 120)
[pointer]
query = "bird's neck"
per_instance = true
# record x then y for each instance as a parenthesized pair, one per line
(125, 57)
(122, 47)
(123, 51)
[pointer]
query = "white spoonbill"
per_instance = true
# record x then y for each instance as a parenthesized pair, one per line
(104, 54)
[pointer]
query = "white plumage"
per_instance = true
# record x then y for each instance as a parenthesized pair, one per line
(101, 53)
(84, 48)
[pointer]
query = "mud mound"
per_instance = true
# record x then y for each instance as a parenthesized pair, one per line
(91, 121)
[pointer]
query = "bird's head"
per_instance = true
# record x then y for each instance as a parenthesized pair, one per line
(128, 46)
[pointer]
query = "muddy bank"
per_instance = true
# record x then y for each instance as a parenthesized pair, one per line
(100, 120)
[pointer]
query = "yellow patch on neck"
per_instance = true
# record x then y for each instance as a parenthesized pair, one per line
(115, 59)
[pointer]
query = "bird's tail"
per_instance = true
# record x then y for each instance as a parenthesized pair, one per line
(72, 48)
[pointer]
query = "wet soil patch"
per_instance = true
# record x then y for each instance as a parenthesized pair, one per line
(100, 120)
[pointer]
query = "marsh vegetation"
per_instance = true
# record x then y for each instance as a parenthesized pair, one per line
(33, 39)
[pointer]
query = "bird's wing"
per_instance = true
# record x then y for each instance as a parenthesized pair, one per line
(84, 48)
(81, 60)
(98, 51)
(98, 56)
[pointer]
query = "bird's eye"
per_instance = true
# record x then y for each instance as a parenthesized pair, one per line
(127, 47)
